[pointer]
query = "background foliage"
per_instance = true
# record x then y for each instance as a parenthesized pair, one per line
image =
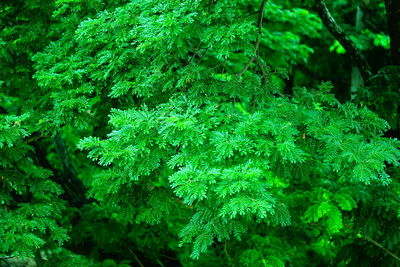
(199, 133)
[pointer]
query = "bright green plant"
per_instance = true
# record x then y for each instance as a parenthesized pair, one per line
(196, 155)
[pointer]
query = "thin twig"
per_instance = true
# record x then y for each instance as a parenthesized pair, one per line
(257, 44)
(263, 71)
(261, 15)
(380, 246)
(245, 67)
(169, 257)
(259, 26)
(226, 251)
(375, 243)
(196, 50)
(35, 138)
(159, 262)
(205, 52)
(136, 258)
(181, 202)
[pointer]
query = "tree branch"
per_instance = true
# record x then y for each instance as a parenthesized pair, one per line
(136, 257)
(380, 246)
(226, 251)
(262, 69)
(259, 25)
(257, 44)
(245, 67)
(367, 238)
(341, 36)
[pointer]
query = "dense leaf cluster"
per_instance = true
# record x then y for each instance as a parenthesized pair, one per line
(167, 132)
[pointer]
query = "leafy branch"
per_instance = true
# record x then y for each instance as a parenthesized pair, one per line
(257, 44)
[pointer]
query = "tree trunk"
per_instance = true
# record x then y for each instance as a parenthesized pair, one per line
(333, 27)
(393, 16)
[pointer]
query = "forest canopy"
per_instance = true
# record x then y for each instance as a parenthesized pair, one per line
(199, 133)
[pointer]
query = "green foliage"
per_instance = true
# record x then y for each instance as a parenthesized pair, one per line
(162, 132)
(382, 94)
(30, 210)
